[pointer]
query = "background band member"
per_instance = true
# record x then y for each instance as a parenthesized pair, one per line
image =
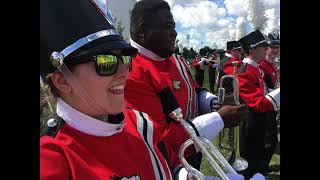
(198, 65)
(253, 92)
(267, 65)
(271, 77)
(214, 62)
(233, 54)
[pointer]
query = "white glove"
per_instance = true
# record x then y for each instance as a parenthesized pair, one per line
(231, 176)
(270, 90)
(257, 176)
(274, 98)
(204, 101)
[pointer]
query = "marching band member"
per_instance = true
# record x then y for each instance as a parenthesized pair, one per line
(92, 136)
(261, 104)
(214, 62)
(198, 65)
(155, 68)
(270, 78)
(267, 65)
(233, 54)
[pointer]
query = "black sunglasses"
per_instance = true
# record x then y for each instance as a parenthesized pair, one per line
(105, 64)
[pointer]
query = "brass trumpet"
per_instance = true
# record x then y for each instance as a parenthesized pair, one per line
(205, 147)
(239, 163)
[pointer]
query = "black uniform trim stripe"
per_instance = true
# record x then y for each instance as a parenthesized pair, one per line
(188, 85)
(273, 100)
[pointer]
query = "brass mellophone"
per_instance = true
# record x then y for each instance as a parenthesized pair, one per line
(238, 163)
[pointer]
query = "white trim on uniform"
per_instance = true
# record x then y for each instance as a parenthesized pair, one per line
(184, 75)
(147, 137)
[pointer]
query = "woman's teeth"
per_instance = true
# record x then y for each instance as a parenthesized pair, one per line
(117, 88)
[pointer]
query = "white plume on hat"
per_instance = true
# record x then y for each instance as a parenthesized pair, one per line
(232, 34)
(241, 26)
(255, 10)
(273, 22)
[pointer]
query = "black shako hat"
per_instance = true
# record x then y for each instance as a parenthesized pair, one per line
(75, 28)
(253, 40)
(219, 51)
(273, 39)
(231, 45)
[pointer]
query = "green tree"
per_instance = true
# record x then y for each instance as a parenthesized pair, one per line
(186, 53)
(192, 53)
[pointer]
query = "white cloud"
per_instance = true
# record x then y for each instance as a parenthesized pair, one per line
(218, 37)
(194, 41)
(235, 7)
(198, 14)
(174, 2)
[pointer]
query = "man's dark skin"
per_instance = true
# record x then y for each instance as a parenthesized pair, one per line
(158, 35)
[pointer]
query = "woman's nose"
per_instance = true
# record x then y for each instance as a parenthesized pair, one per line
(122, 69)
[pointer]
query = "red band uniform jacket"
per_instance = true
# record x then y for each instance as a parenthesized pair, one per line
(128, 151)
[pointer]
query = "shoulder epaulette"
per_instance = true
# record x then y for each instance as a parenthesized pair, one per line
(52, 127)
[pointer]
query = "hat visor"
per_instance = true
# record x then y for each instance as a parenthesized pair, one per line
(236, 48)
(259, 44)
(103, 48)
(274, 42)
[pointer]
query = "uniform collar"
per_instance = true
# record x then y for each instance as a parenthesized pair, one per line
(146, 52)
(269, 59)
(251, 62)
(229, 55)
(85, 123)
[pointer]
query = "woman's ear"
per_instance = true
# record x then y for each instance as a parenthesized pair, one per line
(61, 83)
(141, 31)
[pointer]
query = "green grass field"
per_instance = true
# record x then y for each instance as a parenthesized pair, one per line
(205, 167)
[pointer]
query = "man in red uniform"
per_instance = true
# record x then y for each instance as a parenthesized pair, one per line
(271, 78)
(261, 104)
(155, 68)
